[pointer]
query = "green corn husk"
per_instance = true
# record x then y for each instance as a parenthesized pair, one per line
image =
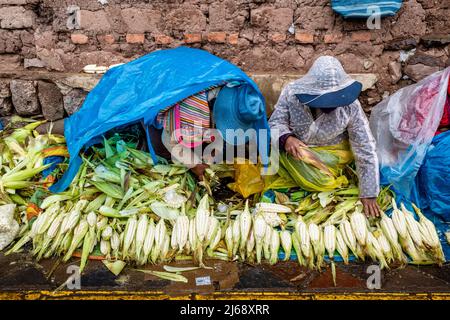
(110, 189)
(96, 203)
(309, 177)
(166, 275)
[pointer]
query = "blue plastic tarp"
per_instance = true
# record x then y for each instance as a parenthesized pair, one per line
(360, 9)
(138, 90)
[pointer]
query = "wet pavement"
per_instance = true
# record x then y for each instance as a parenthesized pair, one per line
(20, 274)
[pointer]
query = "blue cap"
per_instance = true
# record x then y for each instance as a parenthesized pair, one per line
(238, 107)
(335, 99)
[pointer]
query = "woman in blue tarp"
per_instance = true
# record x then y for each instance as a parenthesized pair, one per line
(142, 90)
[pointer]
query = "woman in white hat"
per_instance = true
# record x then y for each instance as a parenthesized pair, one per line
(322, 108)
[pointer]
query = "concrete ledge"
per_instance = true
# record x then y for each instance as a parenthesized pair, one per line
(270, 84)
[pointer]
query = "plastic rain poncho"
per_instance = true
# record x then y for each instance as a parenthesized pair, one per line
(348, 122)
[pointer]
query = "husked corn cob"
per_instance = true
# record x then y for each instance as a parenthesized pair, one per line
(385, 247)
(274, 246)
(149, 239)
(105, 247)
(347, 234)
(341, 246)
(202, 219)
(165, 248)
(245, 224)
(266, 241)
(182, 232)
(305, 243)
(129, 235)
(374, 250)
(216, 240)
(297, 249)
(399, 220)
(315, 235)
(78, 236)
(286, 243)
(192, 235)
(359, 227)
(160, 234)
(413, 227)
(428, 230)
(271, 218)
(212, 229)
(259, 227)
(107, 233)
(236, 235)
(250, 246)
(74, 217)
(115, 243)
(272, 207)
(92, 219)
(329, 237)
(141, 232)
(229, 240)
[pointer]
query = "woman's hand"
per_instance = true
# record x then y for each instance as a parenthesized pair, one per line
(199, 170)
(371, 207)
(294, 146)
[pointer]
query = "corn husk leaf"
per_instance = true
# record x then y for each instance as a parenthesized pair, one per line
(115, 267)
(166, 275)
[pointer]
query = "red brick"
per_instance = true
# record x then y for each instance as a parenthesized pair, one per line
(106, 38)
(192, 37)
(278, 37)
(163, 39)
(135, 37)
(361, 36)
(304, 37)
(332, 38)
(79, 38)
(217, 37)
(233, 38)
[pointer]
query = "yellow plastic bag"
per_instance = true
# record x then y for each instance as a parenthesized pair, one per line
(247, 179)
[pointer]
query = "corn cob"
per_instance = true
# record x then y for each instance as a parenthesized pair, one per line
(259, 227)
(286, 243)
(78, 236)
(266, 241)
(141, 232)
(160, 235)
(297, 249)
(341, 246)
(212, 229)
(105, 248)
(245, 225)
(74, 217)
(149, 239)
(346, 231)
(115, 244)
(202, 219)
(129, 236)
(413, 227)
(173, 237)
(359, 227)
(272, 207)
(216, 240)
(303, 235)
(375, 251)
(102, 224)
(92, 219)
(250, 246)
(399, 220)
(107, 233)
(165, 248)
(329, 237)
(274, 246)
(271, 218)
(182, 232)
(385, 246)
(236, 235)
(192, 235)
(229, 240)
(315, 238)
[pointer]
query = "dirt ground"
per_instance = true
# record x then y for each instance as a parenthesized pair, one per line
(23, 278)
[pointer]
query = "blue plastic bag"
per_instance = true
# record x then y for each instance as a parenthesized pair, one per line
(362, 9)
(138, 90)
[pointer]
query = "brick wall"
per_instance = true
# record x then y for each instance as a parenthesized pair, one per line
(273, 36)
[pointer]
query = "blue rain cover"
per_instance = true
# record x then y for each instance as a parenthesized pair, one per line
(360, 9)
(434, 177)
(138, 90)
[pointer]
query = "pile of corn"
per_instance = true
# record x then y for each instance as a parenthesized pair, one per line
(123, 207)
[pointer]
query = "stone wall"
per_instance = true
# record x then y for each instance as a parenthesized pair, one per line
(39, 38)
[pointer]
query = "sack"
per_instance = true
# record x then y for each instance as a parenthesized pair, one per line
(247, 179)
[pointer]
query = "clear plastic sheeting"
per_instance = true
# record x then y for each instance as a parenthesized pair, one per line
(404, 125)
(325, 75)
